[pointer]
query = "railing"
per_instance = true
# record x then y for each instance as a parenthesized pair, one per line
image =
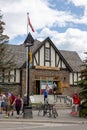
(64, 98)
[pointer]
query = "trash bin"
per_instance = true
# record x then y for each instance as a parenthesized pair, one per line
(27, 112)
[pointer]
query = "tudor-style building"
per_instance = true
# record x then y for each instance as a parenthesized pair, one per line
(48, 65)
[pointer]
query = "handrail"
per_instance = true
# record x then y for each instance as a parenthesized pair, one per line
(66, 99)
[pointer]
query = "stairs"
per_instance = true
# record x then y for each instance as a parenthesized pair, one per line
(61, 102)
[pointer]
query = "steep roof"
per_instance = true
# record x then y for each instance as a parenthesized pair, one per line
(73, 59)
(70, 57)
(19, 53)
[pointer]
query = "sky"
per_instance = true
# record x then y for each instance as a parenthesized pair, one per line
(63, 21)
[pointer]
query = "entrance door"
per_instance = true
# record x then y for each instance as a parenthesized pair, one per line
(37, 87)
(60, 91)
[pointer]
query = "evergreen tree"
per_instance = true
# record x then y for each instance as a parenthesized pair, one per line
(83, 93)
(6, 59)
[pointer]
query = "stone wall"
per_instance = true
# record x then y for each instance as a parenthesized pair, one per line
(36, 74)
(10, 88)
(69, 91)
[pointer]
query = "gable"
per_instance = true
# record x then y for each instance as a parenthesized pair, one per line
(73, 60)
(53, 58)
(68, 59)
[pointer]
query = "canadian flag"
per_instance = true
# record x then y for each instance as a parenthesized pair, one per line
(29, 22)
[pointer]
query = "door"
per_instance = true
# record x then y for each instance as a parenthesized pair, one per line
(60, 91)
(37, 87)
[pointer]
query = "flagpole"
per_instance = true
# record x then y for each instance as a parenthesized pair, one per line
(28, 52)
(27, 55)
(27, 21)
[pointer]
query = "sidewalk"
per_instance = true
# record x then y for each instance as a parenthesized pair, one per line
(63, 117)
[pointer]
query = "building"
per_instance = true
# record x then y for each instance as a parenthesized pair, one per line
(48, 64)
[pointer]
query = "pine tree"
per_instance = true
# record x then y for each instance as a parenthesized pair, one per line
(6, 60)
(83, 93)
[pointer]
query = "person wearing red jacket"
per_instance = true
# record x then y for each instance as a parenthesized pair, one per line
(76, 104)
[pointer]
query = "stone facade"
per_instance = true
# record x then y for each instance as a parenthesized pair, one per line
(37, 74)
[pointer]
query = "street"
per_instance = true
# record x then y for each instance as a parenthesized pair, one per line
(35, 126)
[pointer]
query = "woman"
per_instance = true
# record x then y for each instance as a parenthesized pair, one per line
(18, 102)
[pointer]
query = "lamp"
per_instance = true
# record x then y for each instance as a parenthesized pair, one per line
(29, 41)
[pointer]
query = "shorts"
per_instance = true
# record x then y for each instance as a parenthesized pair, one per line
(7, 107)
(54, 89)
(3, 104)
(11, 107)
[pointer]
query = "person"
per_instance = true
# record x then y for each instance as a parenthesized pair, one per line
(3, 101)
(76, 104)
(0, 104)
(18, 102)
(54, 90)
(12, 98)
(46, 93)
(24, 102)
(7, 105)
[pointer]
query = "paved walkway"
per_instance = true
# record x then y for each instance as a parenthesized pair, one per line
(63, 117)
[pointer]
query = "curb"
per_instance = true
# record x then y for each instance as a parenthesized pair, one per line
(42, 121)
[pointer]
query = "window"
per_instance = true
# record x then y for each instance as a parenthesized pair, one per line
(47, 54)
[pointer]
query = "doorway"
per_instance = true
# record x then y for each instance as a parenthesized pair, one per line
(37, 87)
(58, 87)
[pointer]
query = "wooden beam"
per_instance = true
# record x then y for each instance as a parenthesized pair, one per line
(47, 68)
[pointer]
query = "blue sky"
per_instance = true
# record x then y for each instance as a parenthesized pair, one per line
(64, 21)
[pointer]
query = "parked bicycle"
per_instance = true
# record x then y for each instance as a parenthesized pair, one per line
(54, 111)
(48, 109)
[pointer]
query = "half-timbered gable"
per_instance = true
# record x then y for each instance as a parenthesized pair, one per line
(48, 55)
(49, 64)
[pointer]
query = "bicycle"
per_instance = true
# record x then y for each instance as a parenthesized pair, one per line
(40, 109)
(48, 109)
(45, 109)
(54, 111)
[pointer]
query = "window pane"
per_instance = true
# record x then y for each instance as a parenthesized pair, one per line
(47, 54)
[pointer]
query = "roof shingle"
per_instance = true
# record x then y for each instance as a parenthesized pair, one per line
(19, 52)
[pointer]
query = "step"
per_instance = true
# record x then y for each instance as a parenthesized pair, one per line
(40, 99)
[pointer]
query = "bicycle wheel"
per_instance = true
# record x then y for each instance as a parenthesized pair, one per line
(49, 113)
(40, 110)
(54, 113)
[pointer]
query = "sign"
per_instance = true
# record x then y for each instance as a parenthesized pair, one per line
(30, 55)
(43, 86)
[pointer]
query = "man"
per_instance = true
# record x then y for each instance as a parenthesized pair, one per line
(12, 98)
(54, 90)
